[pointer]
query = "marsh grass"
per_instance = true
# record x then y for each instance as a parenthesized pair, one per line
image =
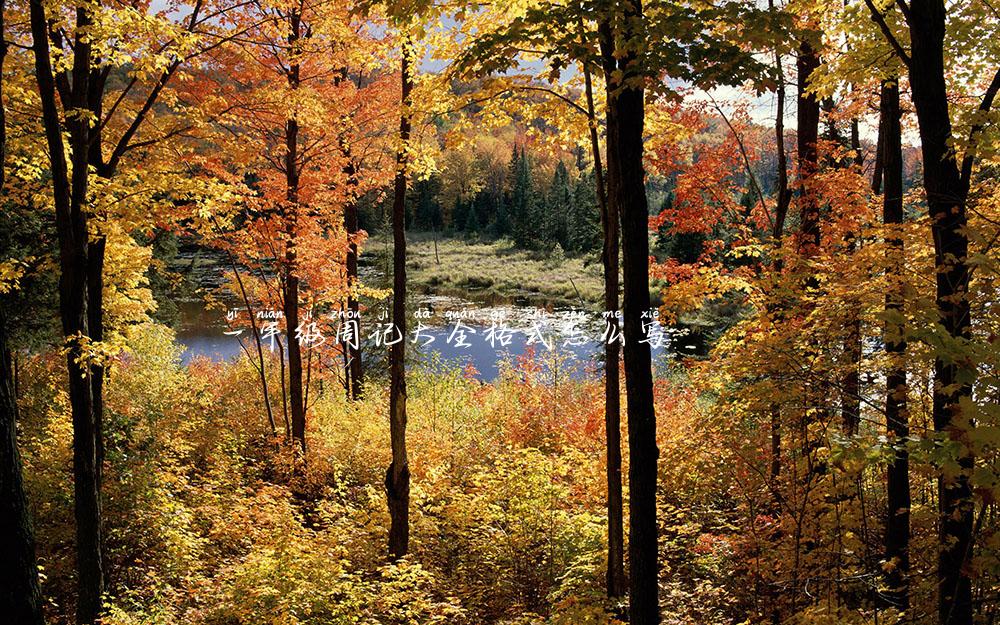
(496, 271)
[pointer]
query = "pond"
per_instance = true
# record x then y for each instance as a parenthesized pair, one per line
(453, 331)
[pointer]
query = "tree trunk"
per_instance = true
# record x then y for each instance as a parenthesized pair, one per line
(261, 371)
(20, 597)
(3, 109)
(808, 135)
(897, 530)
(627, 193)
(850, 405)
(615, 575)
(69, 195)
(290, 296)
(95, 323)
(946, 195)
(397, 477)
(783, 194)
(353, 307)
(783, 198)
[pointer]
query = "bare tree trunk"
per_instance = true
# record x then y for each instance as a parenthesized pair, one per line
(95, 323)
(947, 190)
(353, 306)
(70, 196)
(850, 404)
(290, 296)
(627, 193)
(782, 200)
(397, 477)
(897, 530)
(20, 596)
(284, 389)
(256, 339)
(808, 135)
(615, 576)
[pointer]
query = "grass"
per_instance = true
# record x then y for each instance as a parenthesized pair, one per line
(497, 272)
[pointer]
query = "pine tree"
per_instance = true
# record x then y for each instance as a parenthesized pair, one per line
(583, 227)
(427, 210)
(521, 200)
(501, 225)
(555, 208)
(471, 221)
(459, 214)
(482, 210)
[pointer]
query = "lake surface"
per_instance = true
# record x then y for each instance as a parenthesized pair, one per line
(448, 330)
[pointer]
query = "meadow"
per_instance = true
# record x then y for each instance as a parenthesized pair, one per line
(495, 271)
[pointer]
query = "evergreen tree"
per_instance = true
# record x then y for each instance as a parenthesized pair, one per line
(427, 209)
(521, 200)
(471, 221)
(501, 225)
(459, 214)
(556, 207)
(685, 247)
(482, 210)
(583, 230)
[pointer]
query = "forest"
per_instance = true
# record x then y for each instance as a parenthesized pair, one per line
(536, 312)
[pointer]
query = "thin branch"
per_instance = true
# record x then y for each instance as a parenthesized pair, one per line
(879, 19)
(984, 107)
(746, 158)
(905, 8)
(574, 105)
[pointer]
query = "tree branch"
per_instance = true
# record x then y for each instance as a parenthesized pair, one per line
(879, 19)
(746, 158)
(984, 107)
(512, 88)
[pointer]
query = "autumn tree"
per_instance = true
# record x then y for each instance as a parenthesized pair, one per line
(629, 59)
(397, 477)
(947, 178)
(309, 85)
(897, 531)
(76, 50)
(572, 41)
(70, 194)
(627, 192)
(20, 597)
(629, 62)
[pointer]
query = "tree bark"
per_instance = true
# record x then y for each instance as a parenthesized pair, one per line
(397, 477)
(290, 296)
(353, 306)
(20, 596)
(615, 574)
(95, 323)
(946, 201)
(783, 195)
(782, 200)
(850, 405)
(897, 530)
(3, 109)
(807, 137)
(261, 371)
(69, 195)
(627, 193)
